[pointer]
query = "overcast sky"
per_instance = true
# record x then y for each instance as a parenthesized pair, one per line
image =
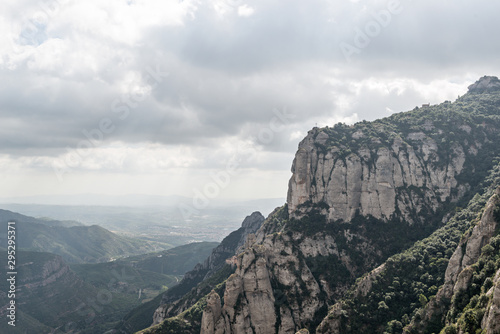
(212, 97)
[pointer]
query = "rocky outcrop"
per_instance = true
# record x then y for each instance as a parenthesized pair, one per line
(459, 271)
(283, 281)
(480, 236)
(267, 293)
(377, 180)
(211, 313)
(172, 302)
(486, 84)
(358, 194)
(390, 172)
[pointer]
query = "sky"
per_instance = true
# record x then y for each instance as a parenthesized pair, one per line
(209, 99)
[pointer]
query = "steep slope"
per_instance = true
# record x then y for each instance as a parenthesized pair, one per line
(197, 282)
(76, 244)
(48, 292)
(358, 195)
(466, 301)
(174, 261)
(389, 297)
(87, 298)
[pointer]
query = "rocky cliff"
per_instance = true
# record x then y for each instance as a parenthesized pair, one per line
(359, 195)
(377, 170)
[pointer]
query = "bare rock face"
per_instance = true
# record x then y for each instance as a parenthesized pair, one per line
(211, 313)
(249, 300)
(378, 180)
(271, 277)
(485, 84)
(303, 331)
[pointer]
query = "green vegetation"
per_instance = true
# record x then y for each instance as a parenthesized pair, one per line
(175, 261)
(189, 321)
(139, 317)
(93, 298)
(413, 277)
(51, 296)
(121, 277)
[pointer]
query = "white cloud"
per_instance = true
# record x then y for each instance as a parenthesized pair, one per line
(245, 11)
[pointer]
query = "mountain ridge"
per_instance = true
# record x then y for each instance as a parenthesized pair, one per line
(75, 243)
(360, 196)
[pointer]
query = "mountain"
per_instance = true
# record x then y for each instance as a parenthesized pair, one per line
(375, 232)
(174, 261)
(196, 283)
(171, 223)
(91, 298)
(76, 244)
(49, 296)
(6, 216)
(54, 297)
(412, 291)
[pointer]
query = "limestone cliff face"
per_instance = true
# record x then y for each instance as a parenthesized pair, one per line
(403, 166)
(403, 176)
(272, 290)
(211, 313)
(279, 286)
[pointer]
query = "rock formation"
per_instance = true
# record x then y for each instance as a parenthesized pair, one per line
(486, 84)
(371, 181)
(358, 195)
(390, 171)
(172, 302)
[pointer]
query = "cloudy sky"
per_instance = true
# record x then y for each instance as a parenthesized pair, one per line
(212, 97)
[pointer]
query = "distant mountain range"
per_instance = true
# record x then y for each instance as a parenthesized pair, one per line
(54, 297)
(161, 223)
(73, 241)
